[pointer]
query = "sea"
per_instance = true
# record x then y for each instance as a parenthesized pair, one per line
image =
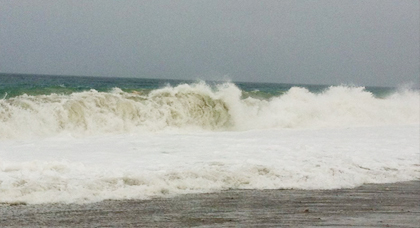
(68, 139)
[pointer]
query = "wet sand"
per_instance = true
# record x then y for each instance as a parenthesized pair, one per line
(372, 205)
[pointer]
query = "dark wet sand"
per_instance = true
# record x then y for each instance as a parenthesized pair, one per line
(380, 205)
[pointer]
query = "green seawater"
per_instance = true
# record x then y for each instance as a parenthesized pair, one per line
(12, 85)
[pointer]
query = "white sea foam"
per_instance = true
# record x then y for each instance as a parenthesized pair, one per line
(135, 166)
(200, 107)
(193, 138)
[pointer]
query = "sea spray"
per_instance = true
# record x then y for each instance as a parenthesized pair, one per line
(200, 107)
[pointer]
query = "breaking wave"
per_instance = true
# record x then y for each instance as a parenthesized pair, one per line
(200, 107)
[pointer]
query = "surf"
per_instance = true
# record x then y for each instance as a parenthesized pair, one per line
(200, 107)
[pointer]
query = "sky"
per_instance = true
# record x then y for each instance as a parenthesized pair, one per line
(364, 43)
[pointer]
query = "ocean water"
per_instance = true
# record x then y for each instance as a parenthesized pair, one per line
(87, 139)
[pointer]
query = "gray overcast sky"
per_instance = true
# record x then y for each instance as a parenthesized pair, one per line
(371, 42)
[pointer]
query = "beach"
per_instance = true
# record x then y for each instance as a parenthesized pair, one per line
(371, 205)
(209, 113)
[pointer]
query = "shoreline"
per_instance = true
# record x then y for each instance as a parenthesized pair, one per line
(373, 205)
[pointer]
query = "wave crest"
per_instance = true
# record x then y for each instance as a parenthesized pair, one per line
(200, 107)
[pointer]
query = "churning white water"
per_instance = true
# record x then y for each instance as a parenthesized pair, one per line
(91, 146)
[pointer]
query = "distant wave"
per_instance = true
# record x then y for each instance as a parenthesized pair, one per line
(200, 107)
